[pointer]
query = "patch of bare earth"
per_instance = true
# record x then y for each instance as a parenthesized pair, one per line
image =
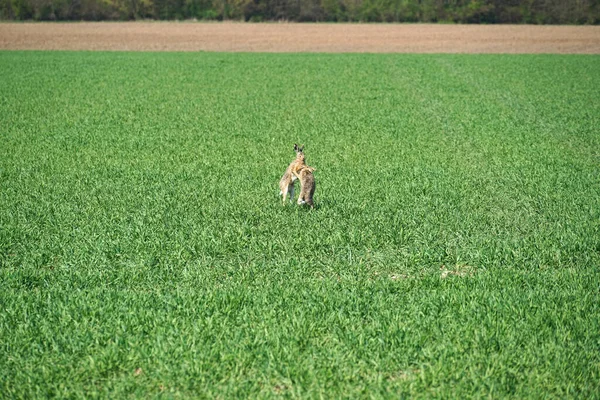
(460, 270)
(292, 37)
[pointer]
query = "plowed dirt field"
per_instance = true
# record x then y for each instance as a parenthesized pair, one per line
(292, 37)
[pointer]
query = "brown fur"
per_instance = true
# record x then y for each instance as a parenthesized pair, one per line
(307, 180)
(286, 183)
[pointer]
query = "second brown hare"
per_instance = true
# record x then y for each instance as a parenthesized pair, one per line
(307, 180)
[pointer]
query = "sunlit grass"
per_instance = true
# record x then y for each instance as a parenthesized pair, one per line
(453, 252)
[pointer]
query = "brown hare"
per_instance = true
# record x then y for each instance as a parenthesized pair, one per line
(307, 180)
(286, 183)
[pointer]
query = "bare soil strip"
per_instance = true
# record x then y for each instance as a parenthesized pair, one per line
(292, 37)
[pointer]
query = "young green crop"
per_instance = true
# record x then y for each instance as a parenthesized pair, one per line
(453, 251)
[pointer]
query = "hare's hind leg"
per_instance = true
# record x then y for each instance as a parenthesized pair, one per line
(288, 190)
(284, 192)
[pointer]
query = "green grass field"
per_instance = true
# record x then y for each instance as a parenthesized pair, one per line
(144, 251)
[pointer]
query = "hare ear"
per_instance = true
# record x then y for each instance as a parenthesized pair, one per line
(301, 148)
(295, 147)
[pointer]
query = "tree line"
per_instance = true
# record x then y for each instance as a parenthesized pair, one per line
(457, 11)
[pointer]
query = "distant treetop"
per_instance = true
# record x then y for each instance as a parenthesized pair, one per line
(448, 11)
